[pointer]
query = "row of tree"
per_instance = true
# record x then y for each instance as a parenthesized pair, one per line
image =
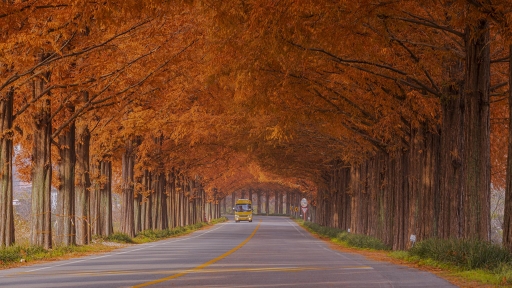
(78, 83)
(405, 102)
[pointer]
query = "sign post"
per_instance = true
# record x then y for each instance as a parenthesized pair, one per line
(304, 207)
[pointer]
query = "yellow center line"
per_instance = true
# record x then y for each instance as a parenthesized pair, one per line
(214, 270)
(204, 265)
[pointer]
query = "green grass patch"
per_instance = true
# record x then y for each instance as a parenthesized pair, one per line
(342, 237)
(154, 235)
(465, 254)
(219, 220)
(487, 277)
(473, 260)
(16, 253)
(361, 241)
(119, 238)
(402, 255)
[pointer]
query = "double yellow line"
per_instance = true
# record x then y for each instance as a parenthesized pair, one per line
(202, 266)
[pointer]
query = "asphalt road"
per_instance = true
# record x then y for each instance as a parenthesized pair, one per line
(269, 252)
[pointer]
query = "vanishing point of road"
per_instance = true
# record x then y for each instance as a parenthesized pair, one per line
(269, 252)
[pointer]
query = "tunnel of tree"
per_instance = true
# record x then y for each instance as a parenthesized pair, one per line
(391, 118)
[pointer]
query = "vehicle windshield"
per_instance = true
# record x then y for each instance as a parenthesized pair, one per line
(243, 208)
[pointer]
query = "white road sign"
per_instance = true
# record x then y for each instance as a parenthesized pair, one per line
(303, 202)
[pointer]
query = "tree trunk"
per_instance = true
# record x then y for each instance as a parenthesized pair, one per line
(276, 202)
(171, 200)
(423, 184)
(83, 186)
(101, 200)
(200, 203)
(267, 202)
(476, 164)
(137, 206)
(41, 226)
(233, 199)
(147, 199)
(400, 202)
(346, 199)
(507, 217)
(105, 199)
(127, 211)
(449, 202)
(181, 202)
(204, 199)
(281, 198)
(224, 204)
(159, 215)
(258, 198)
(6, 147)
(65, 215)
(94, 203)
(187, 203)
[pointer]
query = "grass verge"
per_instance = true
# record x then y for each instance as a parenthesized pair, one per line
(462, 262)
(17, 255)
(344, 238)
(154, 235)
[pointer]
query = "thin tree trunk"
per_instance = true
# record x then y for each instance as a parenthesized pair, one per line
(181, 202)
(224, 207)
(276, 202)
(65, 230)
(171, 200)
(105, 199)
(267, 202)
(101, 199)
(281, 198)
(159, 220)
(83, 186)
(94, 202)
(6, 147)
(128, 163)
(347, 197)
(258, 198)
(41, 226)
(507, 216)
(137, 206)
(187, 202)
(147, 199)
(233, 199)
(204, 198)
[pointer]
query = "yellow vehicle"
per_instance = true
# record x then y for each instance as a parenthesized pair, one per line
(243, 210)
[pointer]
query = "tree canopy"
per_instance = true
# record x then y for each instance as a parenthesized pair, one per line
(248, 93)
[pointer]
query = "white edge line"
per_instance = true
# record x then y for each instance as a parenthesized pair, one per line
(295, 226)
(113, 254)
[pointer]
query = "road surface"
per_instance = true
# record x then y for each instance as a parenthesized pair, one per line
(269, 252)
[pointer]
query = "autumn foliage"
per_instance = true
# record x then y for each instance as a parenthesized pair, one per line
(391, 117)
